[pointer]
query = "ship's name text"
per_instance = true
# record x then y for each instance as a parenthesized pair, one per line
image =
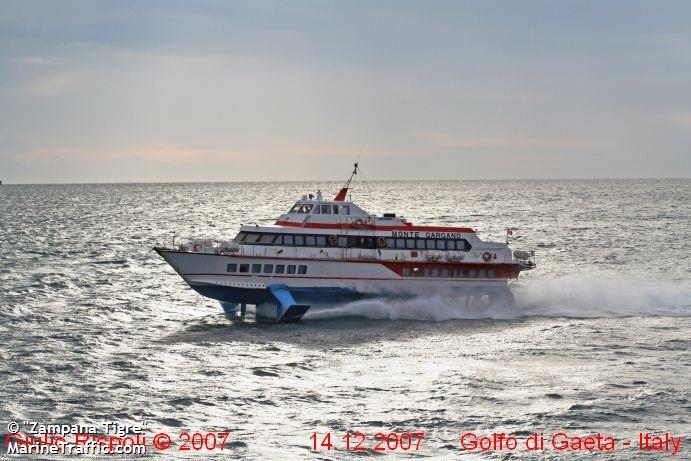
(427, 235)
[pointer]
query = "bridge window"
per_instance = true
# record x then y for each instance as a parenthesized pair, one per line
(240, 236)
(335, 207)
(232, 268)
(244, 267)
(268, 268)
(316, 210)
(302, 270)
(256, 268)
(280, 268)
(326, 209)
(291, 269)
(345, 209)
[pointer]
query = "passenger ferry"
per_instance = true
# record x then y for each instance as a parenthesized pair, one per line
(323, 253)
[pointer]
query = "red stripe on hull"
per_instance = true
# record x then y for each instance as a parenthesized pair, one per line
(409, 227)
(394, 266)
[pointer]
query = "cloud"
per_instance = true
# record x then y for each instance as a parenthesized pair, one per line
(445, 140)
(55, 84)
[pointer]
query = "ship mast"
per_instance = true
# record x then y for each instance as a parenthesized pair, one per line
(342, 194)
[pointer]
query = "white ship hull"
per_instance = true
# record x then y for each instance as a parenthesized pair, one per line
(327, 283)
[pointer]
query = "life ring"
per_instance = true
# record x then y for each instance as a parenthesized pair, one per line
(486, 256)
(381, 242)
(359, 224)
(333, 240)
(196, 248)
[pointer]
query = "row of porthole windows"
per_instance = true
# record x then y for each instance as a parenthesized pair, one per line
(352, 241)
(267, 268)
(444, 272)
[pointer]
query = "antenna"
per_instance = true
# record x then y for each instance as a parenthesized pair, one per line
(355, 170)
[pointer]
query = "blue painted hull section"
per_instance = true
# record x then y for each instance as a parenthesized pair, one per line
(313, 296)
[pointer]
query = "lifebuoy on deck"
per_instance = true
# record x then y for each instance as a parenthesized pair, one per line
(486, 256)
(333, 241)
(358, 224)
(381, 242)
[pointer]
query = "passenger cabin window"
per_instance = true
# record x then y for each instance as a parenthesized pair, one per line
(302, 270)
(291, 269)
(244, 267)
(310, 240)
(326, 209)
(232, 268)
(256, 268)
(317, 210)
(345, 209)
(280, 268)
(251, 238)
(299, 240)
(335, 208)
(268, 268)
(288, 240)
(266, 238)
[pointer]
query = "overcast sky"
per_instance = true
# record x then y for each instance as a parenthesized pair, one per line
(110, 91)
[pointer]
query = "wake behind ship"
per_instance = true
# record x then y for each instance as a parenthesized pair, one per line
(323, 253)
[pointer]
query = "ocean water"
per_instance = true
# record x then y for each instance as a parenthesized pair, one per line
(96, 327)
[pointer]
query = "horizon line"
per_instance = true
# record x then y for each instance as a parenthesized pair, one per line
(340, 180)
